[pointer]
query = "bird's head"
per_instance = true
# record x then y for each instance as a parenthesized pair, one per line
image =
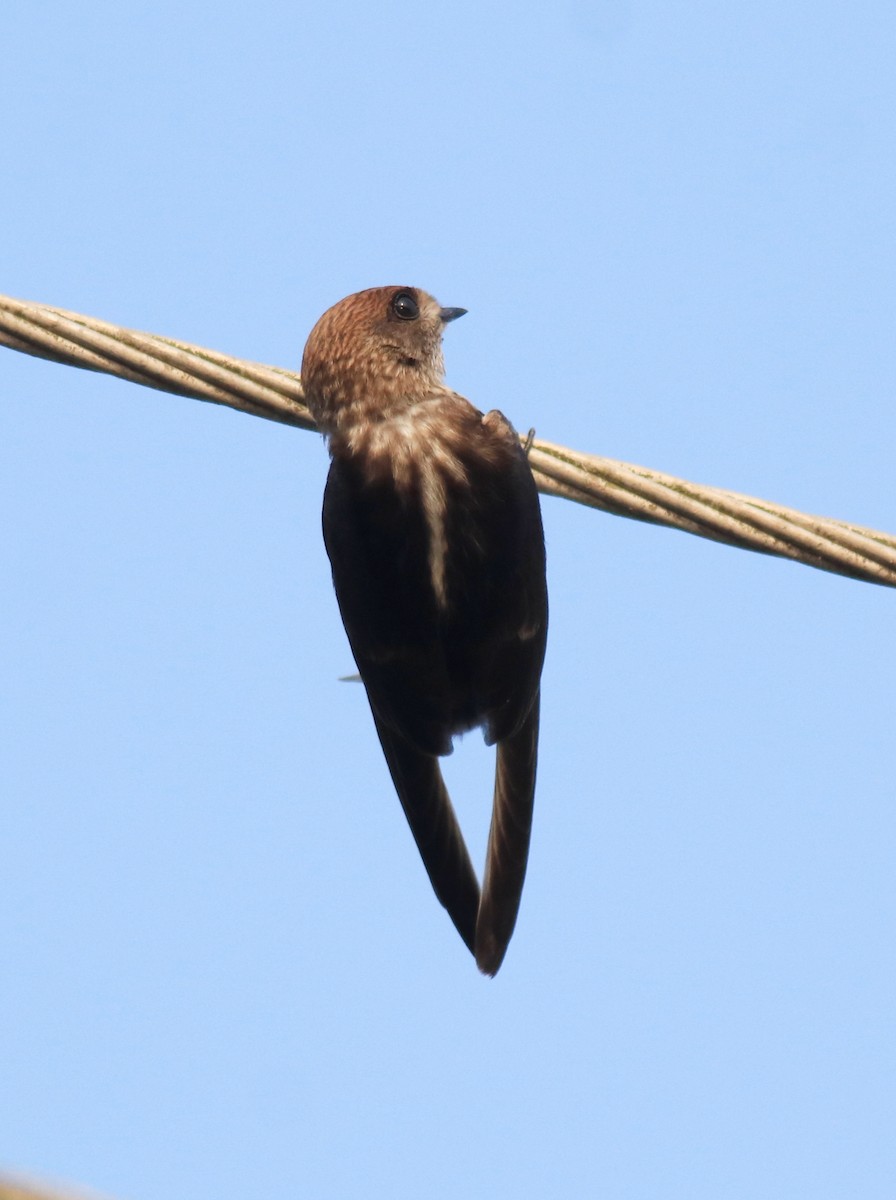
(373, 355)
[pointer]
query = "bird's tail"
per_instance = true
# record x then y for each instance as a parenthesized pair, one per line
(427, 806)
(508, 842)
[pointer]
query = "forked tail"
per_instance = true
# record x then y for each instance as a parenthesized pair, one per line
(508, 843)
(427, 806)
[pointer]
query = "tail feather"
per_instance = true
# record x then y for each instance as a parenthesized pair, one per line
(508, 843)
(427, 806)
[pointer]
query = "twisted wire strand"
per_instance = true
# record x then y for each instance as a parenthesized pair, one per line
(615, 487)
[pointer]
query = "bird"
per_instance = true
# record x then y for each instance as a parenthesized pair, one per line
(433, 528)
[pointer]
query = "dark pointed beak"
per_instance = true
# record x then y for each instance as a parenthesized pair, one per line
(450, 314)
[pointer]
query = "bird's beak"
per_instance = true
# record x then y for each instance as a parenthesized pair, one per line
(450, 314)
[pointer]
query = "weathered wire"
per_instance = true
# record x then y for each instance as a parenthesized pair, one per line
(603, 483)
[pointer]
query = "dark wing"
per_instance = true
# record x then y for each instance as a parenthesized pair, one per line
(513, 674)
(377, 543)
(498, 637)
(373, 543)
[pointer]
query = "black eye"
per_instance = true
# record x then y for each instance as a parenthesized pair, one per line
(405, 306)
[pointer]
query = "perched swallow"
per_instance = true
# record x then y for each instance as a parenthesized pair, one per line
(433, 528)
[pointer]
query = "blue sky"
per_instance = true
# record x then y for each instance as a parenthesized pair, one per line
(222, 971)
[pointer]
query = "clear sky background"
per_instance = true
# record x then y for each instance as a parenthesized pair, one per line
(222, 970)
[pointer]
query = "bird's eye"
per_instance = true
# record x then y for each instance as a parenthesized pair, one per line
(405, 306)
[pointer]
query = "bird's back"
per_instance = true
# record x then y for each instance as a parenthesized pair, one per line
(434, 533)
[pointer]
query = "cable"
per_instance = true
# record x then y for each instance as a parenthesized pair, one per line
(604, 483)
